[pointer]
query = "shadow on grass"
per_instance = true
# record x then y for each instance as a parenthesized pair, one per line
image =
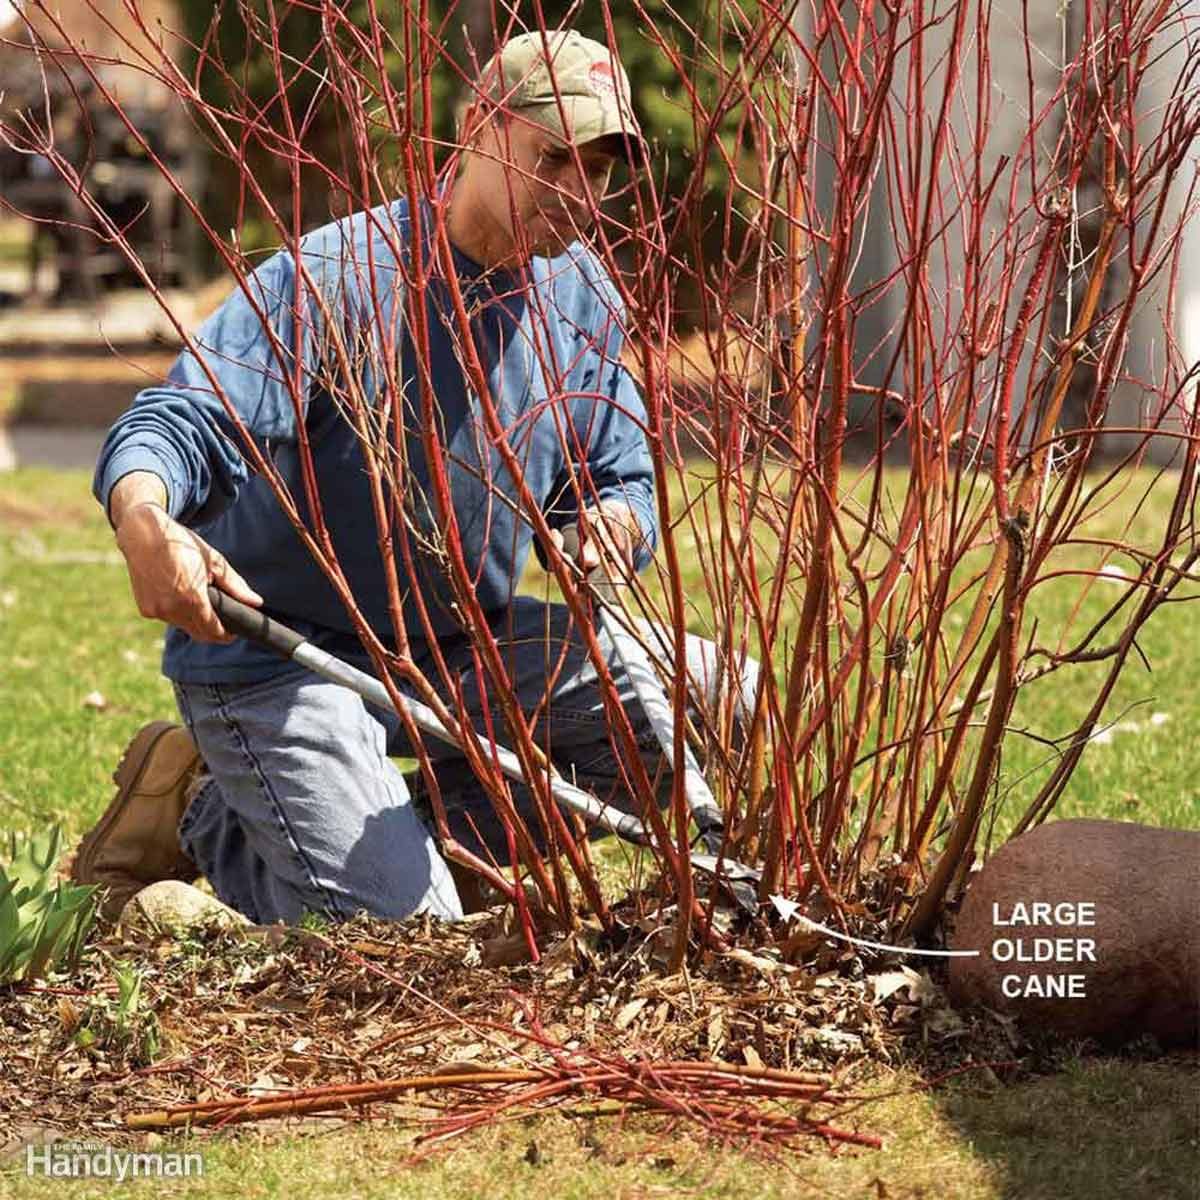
(1100, 1128)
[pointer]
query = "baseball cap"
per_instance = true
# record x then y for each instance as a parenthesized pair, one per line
(591, 83)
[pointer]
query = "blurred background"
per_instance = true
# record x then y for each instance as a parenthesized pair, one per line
(80, 331)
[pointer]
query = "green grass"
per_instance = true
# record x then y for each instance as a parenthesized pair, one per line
(1100, 1128)
(14, 240)
(1104, 1131)
(1143, 773)
(69, 628)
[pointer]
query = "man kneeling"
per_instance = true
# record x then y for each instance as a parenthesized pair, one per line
(279, 786)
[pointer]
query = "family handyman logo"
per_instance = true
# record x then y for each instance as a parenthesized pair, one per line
(94, 1160)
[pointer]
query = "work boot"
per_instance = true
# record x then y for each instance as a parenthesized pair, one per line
(136, 842)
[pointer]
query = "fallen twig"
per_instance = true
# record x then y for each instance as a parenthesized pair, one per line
(719, 1097)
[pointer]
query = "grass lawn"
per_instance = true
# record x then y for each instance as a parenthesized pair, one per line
(79, 674)
(1100, 1131)
(14, 240)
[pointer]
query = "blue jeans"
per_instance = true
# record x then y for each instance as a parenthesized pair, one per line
(302, 808)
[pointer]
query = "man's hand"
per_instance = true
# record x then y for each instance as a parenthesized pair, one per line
(603, 539)
(170, 568)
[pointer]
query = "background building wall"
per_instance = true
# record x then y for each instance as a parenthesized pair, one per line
(1016, 84)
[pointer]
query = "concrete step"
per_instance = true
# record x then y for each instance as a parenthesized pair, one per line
(120, 319)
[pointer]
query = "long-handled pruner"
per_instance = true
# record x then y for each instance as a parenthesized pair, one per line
(246, 622)
(631, 654)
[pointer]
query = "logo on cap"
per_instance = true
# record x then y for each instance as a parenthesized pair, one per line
(600, 78)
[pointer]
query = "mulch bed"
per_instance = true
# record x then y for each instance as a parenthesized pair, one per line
(746, 1041)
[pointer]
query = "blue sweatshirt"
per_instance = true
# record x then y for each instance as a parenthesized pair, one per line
(550, 339)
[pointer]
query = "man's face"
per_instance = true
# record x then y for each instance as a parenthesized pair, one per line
(532, 187)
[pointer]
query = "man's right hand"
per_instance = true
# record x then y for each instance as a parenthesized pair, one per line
(170, 567)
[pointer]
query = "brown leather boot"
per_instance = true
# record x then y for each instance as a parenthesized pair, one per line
(136, 842)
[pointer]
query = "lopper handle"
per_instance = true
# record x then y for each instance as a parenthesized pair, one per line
(246, 622)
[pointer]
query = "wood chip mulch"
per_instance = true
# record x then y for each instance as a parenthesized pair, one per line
(246, 1025)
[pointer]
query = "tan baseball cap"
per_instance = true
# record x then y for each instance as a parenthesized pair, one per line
(591, 83)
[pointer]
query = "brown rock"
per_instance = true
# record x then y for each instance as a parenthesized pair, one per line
(1144, 886)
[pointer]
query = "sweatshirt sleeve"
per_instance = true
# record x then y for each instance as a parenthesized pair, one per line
(608, 430)
(180, 431)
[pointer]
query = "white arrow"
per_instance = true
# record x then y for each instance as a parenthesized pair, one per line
(789, 910)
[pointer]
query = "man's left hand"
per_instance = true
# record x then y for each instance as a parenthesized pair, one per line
(604, 537)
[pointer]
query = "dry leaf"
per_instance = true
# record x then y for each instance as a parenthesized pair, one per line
(629, 1013)
(755, 962)
(506, 951)
(716, 1031)
(460, 1065)
(836, 1040)
(887, 983)
(68, 1014)
(945, 1023)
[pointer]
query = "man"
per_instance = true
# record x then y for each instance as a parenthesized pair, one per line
(280, 790)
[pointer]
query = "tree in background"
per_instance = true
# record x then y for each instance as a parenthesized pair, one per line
(233, 47)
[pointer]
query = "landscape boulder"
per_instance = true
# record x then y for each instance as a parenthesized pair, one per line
(1088, 929)
(172, 907)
